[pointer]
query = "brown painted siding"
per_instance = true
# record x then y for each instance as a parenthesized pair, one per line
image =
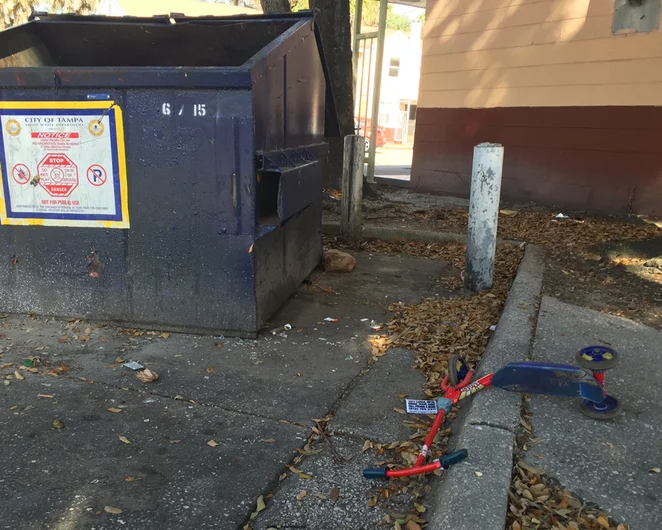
(606, 159)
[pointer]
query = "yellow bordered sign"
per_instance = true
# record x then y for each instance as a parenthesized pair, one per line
(63, 163)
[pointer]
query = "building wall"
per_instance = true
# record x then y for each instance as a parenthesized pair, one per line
(573, 94)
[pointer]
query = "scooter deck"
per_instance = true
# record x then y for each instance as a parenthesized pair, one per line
(548, 378)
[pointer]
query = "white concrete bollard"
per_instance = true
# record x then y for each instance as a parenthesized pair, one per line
(483, 216)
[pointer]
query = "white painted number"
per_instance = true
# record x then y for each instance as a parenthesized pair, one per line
(199, 109)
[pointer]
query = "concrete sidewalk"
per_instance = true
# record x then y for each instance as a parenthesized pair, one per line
(196, 448)
(605, 463)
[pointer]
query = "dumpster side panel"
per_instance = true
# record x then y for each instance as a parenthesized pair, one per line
(289, 90)
(285, 257)
(185, 261)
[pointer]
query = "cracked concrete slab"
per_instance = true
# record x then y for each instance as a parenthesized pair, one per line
(166, 477)
(241, 389)
(296, 376)
(368, 410)
(317, 509)
(606, 463)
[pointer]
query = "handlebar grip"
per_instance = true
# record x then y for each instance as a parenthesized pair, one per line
(375, 473)
(450, 459)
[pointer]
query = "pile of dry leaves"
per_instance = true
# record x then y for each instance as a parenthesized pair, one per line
(544, 228)
(437, 328)
(538, 503)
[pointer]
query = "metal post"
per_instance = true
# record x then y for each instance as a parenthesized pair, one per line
(356, 45)
(483, 216)
(352, 187)
(376, 97)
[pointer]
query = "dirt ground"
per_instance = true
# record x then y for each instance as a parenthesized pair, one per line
(603, 263)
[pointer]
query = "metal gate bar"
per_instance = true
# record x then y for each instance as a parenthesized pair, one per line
(363, 41)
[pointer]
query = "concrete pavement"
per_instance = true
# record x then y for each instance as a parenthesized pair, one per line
(605, 463)
(213, 433)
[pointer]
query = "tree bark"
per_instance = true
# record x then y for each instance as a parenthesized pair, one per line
(275, 6)
(332, 19)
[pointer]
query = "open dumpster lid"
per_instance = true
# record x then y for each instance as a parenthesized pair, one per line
(164, 50)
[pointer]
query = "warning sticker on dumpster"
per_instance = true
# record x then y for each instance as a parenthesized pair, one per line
(62, 163)
(421, 406)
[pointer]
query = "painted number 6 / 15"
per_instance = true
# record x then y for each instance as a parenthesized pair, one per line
(199, 109)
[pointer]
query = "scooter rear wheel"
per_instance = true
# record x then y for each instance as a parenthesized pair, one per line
(608, 409)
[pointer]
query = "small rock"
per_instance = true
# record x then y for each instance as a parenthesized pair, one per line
(655, 263)
(338, 261)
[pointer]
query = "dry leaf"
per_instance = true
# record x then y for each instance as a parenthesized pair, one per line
(165, 335)
(57, 424)
(301, 495)
(478, 473)
(212, 443)
(268, 440)
(125, 440)
(260, 504)
(130, 479)
(335, 494)
(366, 445)
(419, 508)
(412, 525)
(516, 526)
(250, 250)
(602, 521)
(178, 397)
(18, 375)
(400, 411)
(655, 470)
(175, 441)
(218, 345)
(114, 410)
(210, 369)
(112, 510)
(45, 396)
(372, 502)
(147, 376)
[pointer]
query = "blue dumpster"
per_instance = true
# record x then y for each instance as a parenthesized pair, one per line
(161, 172)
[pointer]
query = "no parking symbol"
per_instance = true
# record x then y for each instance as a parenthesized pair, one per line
(96, 175)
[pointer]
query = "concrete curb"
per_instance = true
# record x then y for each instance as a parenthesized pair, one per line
(474, 494)
(392, 233)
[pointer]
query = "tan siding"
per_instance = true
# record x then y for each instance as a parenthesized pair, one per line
(516, 16)
(647, 45)
(535, 53)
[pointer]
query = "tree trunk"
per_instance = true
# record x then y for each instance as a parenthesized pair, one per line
(332, 19)
(275, 6)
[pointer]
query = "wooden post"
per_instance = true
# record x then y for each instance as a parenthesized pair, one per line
(352, 187)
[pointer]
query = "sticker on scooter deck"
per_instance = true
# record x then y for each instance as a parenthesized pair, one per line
(548, 378)
(421, 406)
